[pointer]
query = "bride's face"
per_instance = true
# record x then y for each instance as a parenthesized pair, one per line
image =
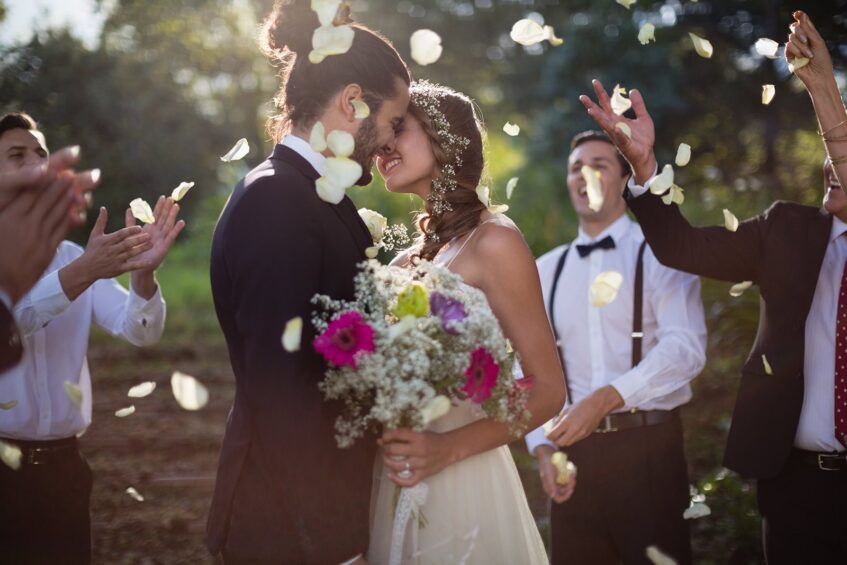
(411, 166)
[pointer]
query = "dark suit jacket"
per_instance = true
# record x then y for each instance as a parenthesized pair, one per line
(781, 251)
(10, 340)
(285, 492)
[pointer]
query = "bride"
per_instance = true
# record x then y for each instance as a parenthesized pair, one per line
(475, 509)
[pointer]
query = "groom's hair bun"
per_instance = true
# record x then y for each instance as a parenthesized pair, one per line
(289, 27)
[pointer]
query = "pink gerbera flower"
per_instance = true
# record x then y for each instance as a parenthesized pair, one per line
(481, 376)
(345, 337)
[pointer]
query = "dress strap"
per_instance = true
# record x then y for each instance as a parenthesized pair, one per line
(467, 239)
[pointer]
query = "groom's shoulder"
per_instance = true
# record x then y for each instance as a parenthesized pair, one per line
(275, 181)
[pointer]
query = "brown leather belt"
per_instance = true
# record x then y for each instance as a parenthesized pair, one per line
(833, 461)
(45, 452)
(635, 419)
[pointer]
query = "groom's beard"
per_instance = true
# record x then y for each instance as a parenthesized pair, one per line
(366, 149)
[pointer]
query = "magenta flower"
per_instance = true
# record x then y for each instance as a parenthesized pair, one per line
(481, 376)
(347, 336)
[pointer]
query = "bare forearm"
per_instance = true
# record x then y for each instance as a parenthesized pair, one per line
(832, 119)
(76, 278)
(144, 283)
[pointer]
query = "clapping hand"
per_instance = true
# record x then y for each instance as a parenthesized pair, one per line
(638, 150)
(161, 234)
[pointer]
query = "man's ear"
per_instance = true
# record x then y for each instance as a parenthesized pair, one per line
(345, 101)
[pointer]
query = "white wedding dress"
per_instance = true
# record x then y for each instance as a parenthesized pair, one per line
(475, 511)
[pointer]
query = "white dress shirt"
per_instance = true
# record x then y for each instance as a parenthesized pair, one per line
(816, 428)
(304, 149)
(596, 342)
(55, 335)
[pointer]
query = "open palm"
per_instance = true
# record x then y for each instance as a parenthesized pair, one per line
(162, 233)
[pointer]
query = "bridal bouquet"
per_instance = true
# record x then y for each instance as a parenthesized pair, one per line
(413, 341)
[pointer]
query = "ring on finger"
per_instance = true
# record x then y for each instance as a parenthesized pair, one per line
(407, 472)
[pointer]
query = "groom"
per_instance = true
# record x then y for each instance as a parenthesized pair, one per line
(285, 492)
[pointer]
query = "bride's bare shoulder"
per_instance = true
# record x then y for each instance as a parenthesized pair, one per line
(500, 240)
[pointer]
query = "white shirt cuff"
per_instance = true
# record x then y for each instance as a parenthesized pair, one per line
(535, 438)
(628, 386)
(47, 297)
(147, 311)
(636, 189)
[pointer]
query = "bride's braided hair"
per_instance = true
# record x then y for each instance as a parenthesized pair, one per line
(455, 131)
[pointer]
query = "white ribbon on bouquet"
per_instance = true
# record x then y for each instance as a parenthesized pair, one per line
(408, 504)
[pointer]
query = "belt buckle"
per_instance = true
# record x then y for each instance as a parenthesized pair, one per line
(823, 458)
(32, 455)
(607, 425)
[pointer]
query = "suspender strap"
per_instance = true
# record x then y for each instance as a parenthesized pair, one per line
(638, 307)
(551, 314)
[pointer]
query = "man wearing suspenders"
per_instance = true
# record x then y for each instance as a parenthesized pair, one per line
(628, 365)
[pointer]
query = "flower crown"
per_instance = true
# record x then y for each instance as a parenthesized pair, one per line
(427, 96)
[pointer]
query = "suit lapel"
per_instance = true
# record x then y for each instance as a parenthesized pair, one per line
(345, 209)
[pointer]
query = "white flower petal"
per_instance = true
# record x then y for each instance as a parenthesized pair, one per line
(484, 195)
(620, 103)
(627, 131)
(426, 46)
(655, 555)
(188, 391)
(375, 222)
(551, 36)
(326, 10)
(180, 191)
(341, 143)
(498, 209)
(702, 46)
(683, 155)
(674, 196)
(737, 290)
(593, 187)
(135, 494)
(663, 181)
(343, 172)
(8, 405)
(317, 137)
(797, 63)
(372, 252)
(142, 390)
(647, 33)
(124, 412)
(511, 129)
(696, 510)
(74, 393)
(730, 222)
(510, 187)
(329, 191)
(766, 365)
(768, 92)
(405, 324)
(605, 288)
(360, 109)
(238, 151)
(767, 48)
(142, 211)
(435, 408)
(564, 468)
(330, 40)
(528, 32)
(292, 335)
(626, 3)
(10, 455)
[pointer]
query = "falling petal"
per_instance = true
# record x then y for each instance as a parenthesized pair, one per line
(188, 391)
(10, 455)
(551, 36)
(605, 288)
(74, 393)
(768, 92)
(498, 209)
(767, 48)
(292, 335)
(375, 222)
(181, 190)
(626, 3)
(730, 222)
(135, 494)
(484, 195)
(593, 188)
(426, 46)
(142, 390)
(372, 252)
(341, 174)
(620, 103)
(768, 368)
(317, 138)
(326, 10)
(663, 181)
(737, 290)
(627, 131)
(702, 46)
(655, 555)
(647, 33)
(797, 63)
(330, 192)
(341, 143)
(435, 408)
(511, 129)
(674, 196)
(510, 187)
(142, 211)
(8, 405)
(124, 412)
(330, 40)
(360, 109)
(683, 155)
(238, 151)
(696, 510)
(529, 32)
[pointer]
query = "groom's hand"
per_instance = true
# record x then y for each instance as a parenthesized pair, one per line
(638, 150)
(547, 472)
(584, 417)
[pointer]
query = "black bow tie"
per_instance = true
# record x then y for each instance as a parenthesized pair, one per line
(605, 243)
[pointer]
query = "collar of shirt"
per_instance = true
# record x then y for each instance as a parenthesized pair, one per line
(838, 229)
(302, 148)
(618, 229)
